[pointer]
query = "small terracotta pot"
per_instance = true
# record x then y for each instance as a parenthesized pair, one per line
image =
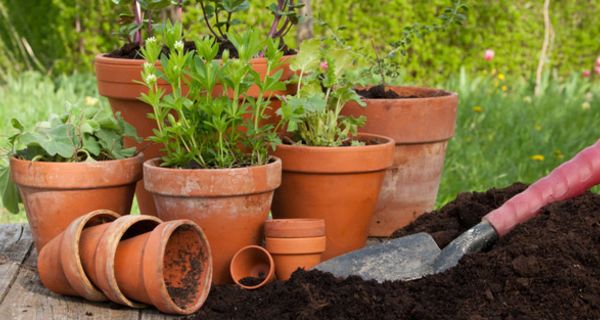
(102, 271)
(337, 184)
(421, 126)
(294, 243)
(56, 193)
(169, 268)
(60, 263)
(231, 205)
(255, 262)
(116, 82)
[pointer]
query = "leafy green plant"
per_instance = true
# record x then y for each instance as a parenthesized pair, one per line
(215, 123)
(219, 17)
(387, 66)
(138, 15)
(83, 134)
(325, 84)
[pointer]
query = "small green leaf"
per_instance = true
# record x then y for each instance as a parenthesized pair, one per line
(10, 192)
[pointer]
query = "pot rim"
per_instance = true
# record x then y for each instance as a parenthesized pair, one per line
(107, 280)
(448, 94)
(268, 277)
(338, 160)
(101, 58)
(71, 259)
(190, 188)
(157, 290)
(50, 175)
(300, 245)
(294, 228)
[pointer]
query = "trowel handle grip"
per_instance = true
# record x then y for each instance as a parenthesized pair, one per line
(568, 180)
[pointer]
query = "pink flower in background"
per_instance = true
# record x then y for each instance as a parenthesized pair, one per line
(324, 66)
(489, 55)
(597, 69)
(598, 62)
(586, 73)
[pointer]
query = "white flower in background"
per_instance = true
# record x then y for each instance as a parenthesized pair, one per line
(150, 79)
(179, 45)
(151, 40)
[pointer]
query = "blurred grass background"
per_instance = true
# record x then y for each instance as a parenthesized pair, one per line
(504, 132)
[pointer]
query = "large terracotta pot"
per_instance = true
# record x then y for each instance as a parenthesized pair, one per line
(116, 82)
(230, 205)
(337, 184)
(56, 193)
(421, 127)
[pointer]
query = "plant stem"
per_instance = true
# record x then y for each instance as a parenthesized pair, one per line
(207, 21)
(138, 20)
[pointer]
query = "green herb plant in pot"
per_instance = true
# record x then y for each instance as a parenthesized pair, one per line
(68, 166)
(420, 120)
(329, 171)
(216, 169)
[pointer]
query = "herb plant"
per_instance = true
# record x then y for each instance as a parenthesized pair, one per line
(215, 123)
(325, 84)
(83, 134)
(387, 65)
(219, 17)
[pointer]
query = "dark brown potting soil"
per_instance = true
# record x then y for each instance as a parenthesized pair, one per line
(547, 268)
(252, 281)
(132, 50)
(381, 92)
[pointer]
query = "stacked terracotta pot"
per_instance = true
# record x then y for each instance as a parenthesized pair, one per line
(131, 260)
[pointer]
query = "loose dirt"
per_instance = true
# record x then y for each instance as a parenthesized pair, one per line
(381, 92)
(548, 268)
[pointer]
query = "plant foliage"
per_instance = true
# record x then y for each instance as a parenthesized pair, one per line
(325, 84)
(83, 134)
(215, 123)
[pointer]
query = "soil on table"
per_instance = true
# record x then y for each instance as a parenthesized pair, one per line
(133, 50)
(381, 92)
(547, 268)
(253, 281)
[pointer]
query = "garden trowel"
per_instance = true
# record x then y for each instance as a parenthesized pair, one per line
(414, 256)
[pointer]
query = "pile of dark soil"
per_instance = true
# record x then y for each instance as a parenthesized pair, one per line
(548, 268)
(381, 92)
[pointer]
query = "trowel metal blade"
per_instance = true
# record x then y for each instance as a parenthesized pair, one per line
(407, 258)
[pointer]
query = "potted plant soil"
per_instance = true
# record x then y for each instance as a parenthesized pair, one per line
(216, 169)
(68, 166)
(329, 171)
(420, 120)
(118, 72)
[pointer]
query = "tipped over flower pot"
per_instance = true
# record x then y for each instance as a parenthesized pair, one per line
(421, 121)
(60, 262)
(337, 184)
(231, 205)
(252, 267)
(295, 243)
(56, 193)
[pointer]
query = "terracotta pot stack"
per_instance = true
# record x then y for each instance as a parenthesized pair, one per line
(131, 260)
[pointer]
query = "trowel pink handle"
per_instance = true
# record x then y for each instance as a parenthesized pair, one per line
(570, 179)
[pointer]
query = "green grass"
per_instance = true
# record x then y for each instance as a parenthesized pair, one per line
(491, 148)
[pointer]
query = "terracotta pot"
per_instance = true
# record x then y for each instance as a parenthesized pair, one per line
(231, 205)
(55, 194)
(421, 127)
(116, 82)
(60, 264)
(337, 184)
(169, 268)
(102, 270)
(255, 262)
(295, 243)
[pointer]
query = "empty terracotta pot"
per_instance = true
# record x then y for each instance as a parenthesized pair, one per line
(252, 267)
(421, 125)
(230, 205)
(56, 193)
(116, 82)
(337, 184)
(169, 268)
(60, 263)
(295, 243)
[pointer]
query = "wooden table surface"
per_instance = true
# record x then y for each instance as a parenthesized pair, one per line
(22, 295)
